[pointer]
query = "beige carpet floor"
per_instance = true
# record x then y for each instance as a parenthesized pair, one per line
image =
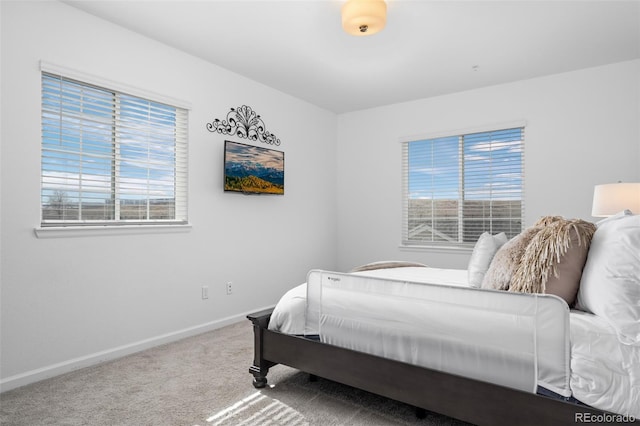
(202, 380)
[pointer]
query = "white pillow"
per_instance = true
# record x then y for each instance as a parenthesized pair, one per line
(483, 252)
(610, 284)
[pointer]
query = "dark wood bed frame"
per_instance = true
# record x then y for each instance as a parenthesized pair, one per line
(459, 397)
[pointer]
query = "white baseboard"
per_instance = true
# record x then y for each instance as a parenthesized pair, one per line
(49, 371)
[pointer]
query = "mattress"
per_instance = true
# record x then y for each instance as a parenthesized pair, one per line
(602, 373)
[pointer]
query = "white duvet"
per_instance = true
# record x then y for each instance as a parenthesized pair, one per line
(605, 373)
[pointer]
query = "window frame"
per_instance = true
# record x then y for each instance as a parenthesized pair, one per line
(180, 220)
(406, 242)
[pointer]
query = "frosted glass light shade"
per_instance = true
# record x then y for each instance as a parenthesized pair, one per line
(609, 199)
(364, 17)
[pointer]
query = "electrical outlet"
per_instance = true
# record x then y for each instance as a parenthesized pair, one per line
(205, 292)
(229, 287)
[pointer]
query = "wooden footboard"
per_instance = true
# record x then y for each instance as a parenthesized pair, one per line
(466, 399)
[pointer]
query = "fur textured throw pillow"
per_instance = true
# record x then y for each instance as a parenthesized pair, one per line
(554, 258)
(506, 260)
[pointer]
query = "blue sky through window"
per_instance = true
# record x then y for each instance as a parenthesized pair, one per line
(490, 167)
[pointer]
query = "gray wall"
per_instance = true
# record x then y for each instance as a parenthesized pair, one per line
(582, 130)
(73, 300)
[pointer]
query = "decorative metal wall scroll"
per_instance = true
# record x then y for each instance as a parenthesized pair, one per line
(244, 123)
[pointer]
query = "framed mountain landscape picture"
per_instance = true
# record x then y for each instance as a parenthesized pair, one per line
(253, 170)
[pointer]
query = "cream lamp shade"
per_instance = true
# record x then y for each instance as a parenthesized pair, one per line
(612, 198)
(364, 17)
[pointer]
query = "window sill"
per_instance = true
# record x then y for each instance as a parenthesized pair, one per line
(438, 248)
(107, 230)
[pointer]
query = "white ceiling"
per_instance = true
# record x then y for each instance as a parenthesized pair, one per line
(428, 48)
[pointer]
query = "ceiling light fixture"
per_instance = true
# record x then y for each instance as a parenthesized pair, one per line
(364, 17)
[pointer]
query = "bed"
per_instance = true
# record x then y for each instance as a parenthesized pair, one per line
(429, 338)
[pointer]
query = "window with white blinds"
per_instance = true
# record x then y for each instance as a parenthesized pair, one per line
(457, 187)
(109, 158)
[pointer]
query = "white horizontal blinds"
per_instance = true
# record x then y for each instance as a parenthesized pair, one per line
(433, 193)
(493, 183)
(109, 157)
(77, 151)
(151, 172)
(457, 187)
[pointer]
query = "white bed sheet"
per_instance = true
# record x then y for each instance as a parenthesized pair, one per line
(289, 314)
